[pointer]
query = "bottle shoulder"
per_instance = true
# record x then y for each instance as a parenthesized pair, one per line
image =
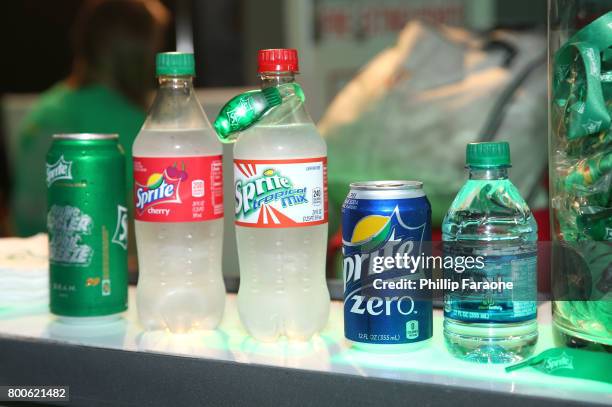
(273, 141)
(489, 210)
(287, 131)
(176, 143)
(176, 109)
(176, 126)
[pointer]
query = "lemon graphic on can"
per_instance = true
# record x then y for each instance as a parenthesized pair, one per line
(371, 230)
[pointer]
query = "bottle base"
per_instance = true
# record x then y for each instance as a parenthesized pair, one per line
(103, 319)
(188, 324)
(491, 342)
(280, 334)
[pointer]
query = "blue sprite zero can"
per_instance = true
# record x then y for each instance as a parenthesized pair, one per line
(386, 226)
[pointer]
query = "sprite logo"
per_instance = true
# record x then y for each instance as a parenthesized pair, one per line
(270, 187)
(563, 361)
(62, 169)
(243, 107)
(120, 236)
(161, 187)
(376, 236)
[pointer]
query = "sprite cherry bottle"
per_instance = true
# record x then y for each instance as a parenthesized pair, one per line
(178, 195)
(280, 184)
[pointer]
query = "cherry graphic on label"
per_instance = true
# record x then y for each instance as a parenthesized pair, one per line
(174, 172)
(182, 174)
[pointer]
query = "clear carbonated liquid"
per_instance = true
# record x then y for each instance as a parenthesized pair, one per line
(490, 218)
(180, 284)
(283, 290)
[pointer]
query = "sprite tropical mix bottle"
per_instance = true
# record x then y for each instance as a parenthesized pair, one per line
(280, 184)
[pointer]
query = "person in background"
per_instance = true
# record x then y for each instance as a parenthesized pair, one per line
(115, 42)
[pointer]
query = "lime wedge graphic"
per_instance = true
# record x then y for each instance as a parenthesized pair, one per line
(155, 180)
(369, 228)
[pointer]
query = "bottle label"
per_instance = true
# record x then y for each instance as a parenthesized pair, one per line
(281, 193)
(472, 304)
(178, 189)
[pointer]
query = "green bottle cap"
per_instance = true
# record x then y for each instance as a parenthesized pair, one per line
(488, 154)
(175, 63)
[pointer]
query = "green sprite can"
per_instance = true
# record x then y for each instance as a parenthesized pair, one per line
(87, 222)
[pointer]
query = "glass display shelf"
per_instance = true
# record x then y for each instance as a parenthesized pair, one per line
(116, 363)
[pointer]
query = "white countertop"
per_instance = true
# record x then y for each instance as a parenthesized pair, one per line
(327, 352)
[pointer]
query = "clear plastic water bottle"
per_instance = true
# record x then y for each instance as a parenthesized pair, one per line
(178, 198)
(280, 184)
(490, 222)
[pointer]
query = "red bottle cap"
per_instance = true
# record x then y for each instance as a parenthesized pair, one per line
(278, 60)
